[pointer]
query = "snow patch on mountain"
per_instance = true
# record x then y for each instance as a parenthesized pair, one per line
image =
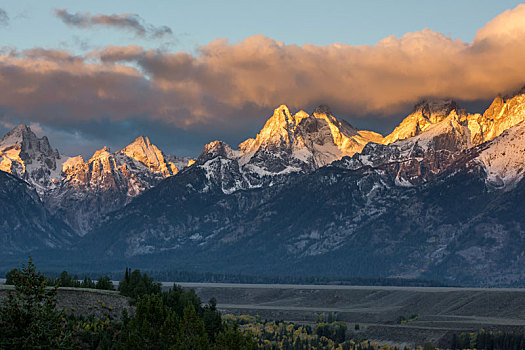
(424, 115)
(286, 144)
(504, 158)
(30, 158)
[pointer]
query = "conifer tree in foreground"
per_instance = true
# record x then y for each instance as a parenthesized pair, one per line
(28, 315)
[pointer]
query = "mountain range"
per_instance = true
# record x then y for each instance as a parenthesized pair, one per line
(439, 198)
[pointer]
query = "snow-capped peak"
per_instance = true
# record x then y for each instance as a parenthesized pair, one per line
(425, 114)
(321, 135)
(279, 131)
(148, 154)
(28, 157)
(102, 153)
(217, 149)
(287, 143)
(503, 113)
(503, 158)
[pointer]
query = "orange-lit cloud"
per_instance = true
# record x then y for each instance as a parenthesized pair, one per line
(224, 78)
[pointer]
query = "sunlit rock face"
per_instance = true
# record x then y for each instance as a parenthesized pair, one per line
(434, 136)
(81, 192)
(143, 151)
(503, 113)
(30, 158)
(314, 140)
(420, 158)
(286, 144)
(424, 115)
(107, 181)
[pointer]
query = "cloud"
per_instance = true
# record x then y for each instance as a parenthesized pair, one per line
(129, 22)
(4, 18)
(226, 86)
(359, 79)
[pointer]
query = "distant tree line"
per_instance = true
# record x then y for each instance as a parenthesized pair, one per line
(66, 280)
(483, 340)
(216, 277)
(212, 277)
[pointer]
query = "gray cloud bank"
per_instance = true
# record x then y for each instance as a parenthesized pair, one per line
(222, 85)
(4, 18)
(131, 22)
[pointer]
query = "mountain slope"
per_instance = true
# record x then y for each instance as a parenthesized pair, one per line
(425, 114)
(286, 144)
(91, 189)
(418, 207)
(25, 224)
(81, 192)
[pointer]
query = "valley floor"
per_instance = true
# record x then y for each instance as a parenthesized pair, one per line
(437, 312)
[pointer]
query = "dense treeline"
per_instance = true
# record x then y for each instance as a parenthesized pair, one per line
(483, 340)
(187, 276)
(66, 280)
(175, 319)
(214, 277)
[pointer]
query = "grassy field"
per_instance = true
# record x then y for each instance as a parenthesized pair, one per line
(436, 312)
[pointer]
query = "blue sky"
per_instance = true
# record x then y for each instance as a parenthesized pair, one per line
(97, 84)
(195, 23)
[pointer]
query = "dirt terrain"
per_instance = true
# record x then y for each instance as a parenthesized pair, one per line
(440, 311)
(79, 301)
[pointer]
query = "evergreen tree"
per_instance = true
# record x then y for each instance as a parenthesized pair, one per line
(28, 315)
(192, 335)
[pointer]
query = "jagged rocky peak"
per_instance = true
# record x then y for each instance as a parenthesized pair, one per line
(28, 157)
(503, 113)
(424, 114)
(23, 138)
(495, 108)
(148, 154)
(302, 130)
(278, 131)
(322, 109)
(100, 154)
(216, 149)
(436, 110)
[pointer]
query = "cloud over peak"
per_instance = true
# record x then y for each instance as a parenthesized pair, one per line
(223, 80)
(131, 22)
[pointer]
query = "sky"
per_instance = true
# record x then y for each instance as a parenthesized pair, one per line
(184, 73)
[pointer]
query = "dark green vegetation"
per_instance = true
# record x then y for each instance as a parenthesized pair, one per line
(28, 316)
(177, 319)
(483, 340)
(162, 320)
(192, 276)
(66, 280)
